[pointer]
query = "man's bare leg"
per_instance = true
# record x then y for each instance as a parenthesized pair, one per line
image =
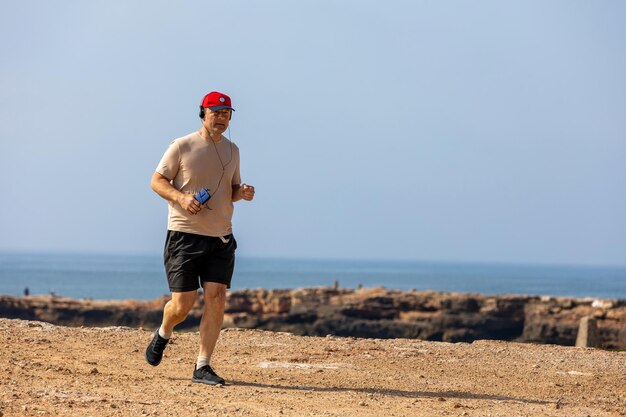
(176, 310)
(210, 326)
(212, 317)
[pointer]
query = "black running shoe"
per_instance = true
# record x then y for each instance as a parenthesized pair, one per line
(154, 351)
(206, 375)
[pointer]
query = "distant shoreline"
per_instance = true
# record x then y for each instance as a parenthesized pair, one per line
(54, 295)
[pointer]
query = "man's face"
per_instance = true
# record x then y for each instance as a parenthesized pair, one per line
(216, 121)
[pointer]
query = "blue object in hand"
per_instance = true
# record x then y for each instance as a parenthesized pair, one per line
(203, 196)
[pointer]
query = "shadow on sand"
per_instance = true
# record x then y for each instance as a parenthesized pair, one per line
(389, 392)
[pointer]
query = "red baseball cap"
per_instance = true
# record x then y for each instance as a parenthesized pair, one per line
(216, 101)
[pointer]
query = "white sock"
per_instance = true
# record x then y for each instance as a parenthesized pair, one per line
(202, 360)
(163, 334)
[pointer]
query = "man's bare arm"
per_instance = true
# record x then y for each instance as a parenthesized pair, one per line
(164, 188)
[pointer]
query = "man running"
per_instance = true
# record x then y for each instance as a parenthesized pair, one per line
(200, 247)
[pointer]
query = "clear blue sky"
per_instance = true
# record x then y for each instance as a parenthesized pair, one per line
(425, 130)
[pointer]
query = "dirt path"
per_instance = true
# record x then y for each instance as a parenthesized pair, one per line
(48, 370)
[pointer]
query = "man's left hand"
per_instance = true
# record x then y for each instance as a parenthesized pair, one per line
(247, 192)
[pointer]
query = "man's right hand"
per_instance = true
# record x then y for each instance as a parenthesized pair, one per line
(188, 202)
(163, 187)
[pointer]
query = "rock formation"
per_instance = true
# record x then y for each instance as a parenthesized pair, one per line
(368, 312)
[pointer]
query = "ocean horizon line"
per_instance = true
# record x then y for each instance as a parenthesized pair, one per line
(459, 262)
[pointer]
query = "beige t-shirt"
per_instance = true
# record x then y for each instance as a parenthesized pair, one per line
(192, 163)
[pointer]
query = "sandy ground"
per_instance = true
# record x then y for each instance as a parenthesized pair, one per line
(61, 371)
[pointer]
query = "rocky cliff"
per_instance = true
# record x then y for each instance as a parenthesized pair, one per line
(369, 312)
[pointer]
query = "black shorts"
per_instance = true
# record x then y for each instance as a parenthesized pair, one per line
(192, 259)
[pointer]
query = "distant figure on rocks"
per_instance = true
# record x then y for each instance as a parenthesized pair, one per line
(199, 177)
(26, 292)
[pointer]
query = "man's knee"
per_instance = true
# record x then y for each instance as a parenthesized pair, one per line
(214, 293)
(181, 311)
(181, 308)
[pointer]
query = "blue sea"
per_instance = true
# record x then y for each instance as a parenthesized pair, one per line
(142, 276)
